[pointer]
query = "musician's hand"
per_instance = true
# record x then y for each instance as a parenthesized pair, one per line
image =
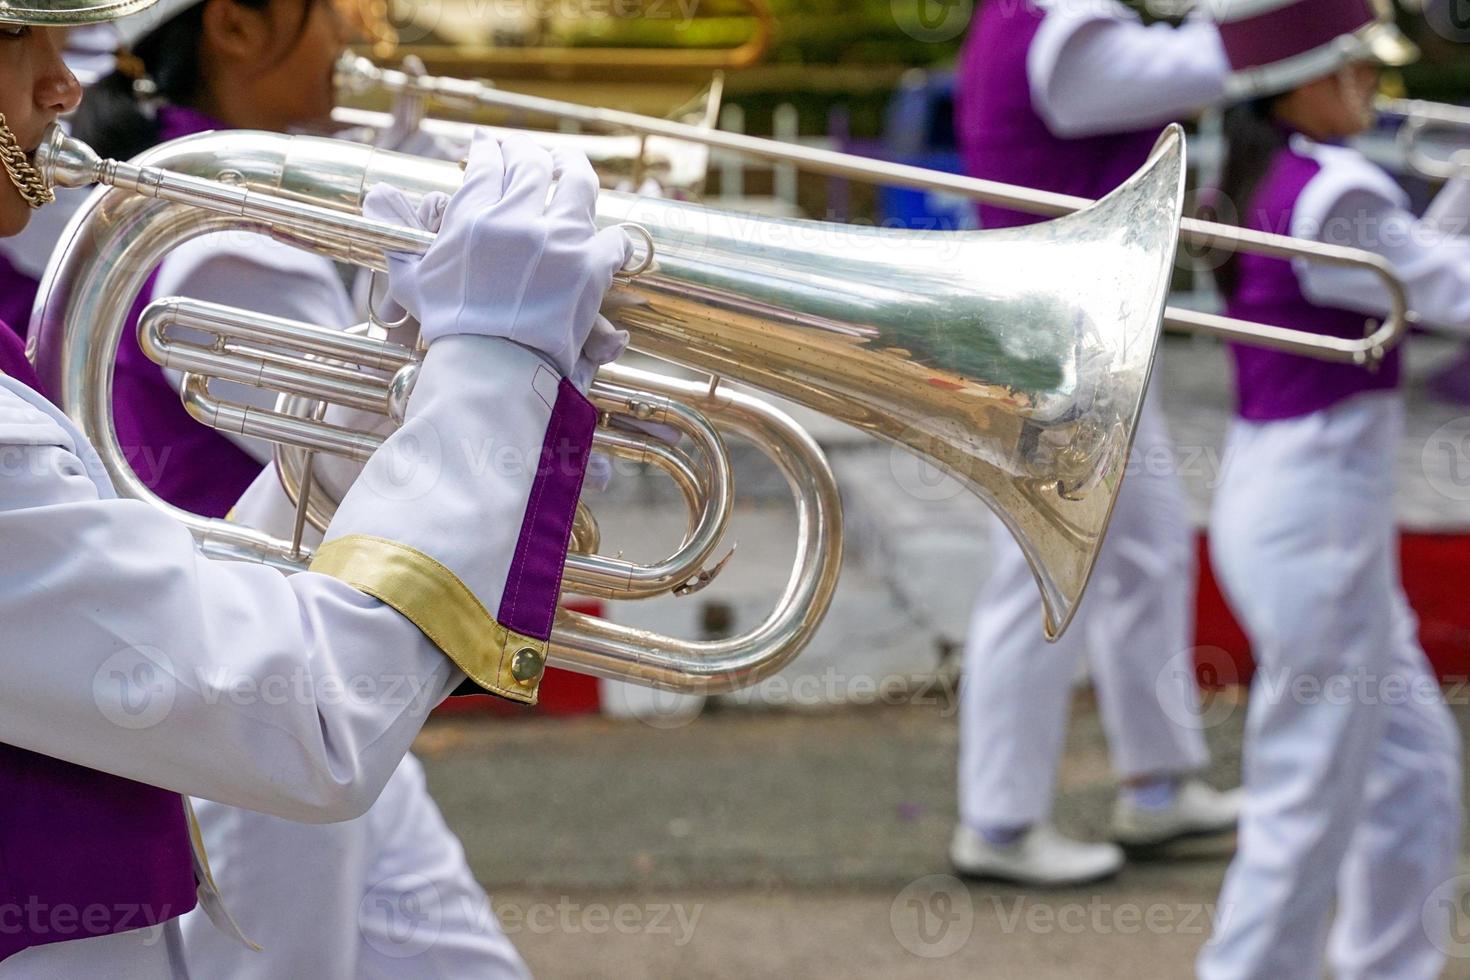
(506, 262)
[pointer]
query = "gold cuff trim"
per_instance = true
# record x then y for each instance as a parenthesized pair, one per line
(433, 598)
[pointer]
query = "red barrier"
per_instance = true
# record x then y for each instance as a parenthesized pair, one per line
(562, 692)
(1436, 574)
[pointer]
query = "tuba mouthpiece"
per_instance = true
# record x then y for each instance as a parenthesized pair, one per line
(67, 162)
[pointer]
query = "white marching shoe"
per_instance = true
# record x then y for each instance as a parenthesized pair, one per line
(1198, 810)
(1041, 856)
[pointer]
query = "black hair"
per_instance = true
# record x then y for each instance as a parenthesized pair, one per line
(1252, 141)
(113, 117)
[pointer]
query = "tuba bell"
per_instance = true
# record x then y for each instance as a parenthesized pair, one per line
(1015, 360)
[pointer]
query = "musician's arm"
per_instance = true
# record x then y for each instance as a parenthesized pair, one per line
(1095, 71)
(1350, 202)
(128, 652)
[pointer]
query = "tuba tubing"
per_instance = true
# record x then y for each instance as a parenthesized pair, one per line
(1015, 360)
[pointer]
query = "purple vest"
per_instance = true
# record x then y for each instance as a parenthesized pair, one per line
(17, 294)
(83, 853)
(1001, 135)
(1274, 385)
(186, 463)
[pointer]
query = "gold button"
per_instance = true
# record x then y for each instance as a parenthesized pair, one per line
(527, 664)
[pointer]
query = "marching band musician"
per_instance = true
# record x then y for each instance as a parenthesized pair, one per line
(1071, 96)
(345, 879)
(1352, 767)
(116, 627)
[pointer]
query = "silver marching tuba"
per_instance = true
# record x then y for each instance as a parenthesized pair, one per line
(1015, 360)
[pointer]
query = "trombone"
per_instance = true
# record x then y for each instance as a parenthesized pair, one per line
(679, 166)
(1420, 120)
(359, 76)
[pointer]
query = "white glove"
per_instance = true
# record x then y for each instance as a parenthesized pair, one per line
(506, 263)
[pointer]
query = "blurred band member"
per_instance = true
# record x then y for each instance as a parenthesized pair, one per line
(1352, 767)
(1071, 96)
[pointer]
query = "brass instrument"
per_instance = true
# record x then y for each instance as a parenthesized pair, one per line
(1015, 359)
(1419, 121)
(357, 75)
(679, 166)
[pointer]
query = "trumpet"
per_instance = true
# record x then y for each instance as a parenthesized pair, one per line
(961, 347)
(1420, 121)
(357, 76)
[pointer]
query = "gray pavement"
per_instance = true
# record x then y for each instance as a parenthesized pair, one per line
(798, 844)
(755, 840)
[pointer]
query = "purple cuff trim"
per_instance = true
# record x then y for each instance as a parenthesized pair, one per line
(1291, 30)
(534, 584)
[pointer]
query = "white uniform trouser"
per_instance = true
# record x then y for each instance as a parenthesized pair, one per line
(1351, 758)
(1135, 622)
(385, 896)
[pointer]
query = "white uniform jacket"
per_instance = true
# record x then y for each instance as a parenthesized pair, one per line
(292, 696)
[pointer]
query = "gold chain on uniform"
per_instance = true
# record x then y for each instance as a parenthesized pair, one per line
(23, 175)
